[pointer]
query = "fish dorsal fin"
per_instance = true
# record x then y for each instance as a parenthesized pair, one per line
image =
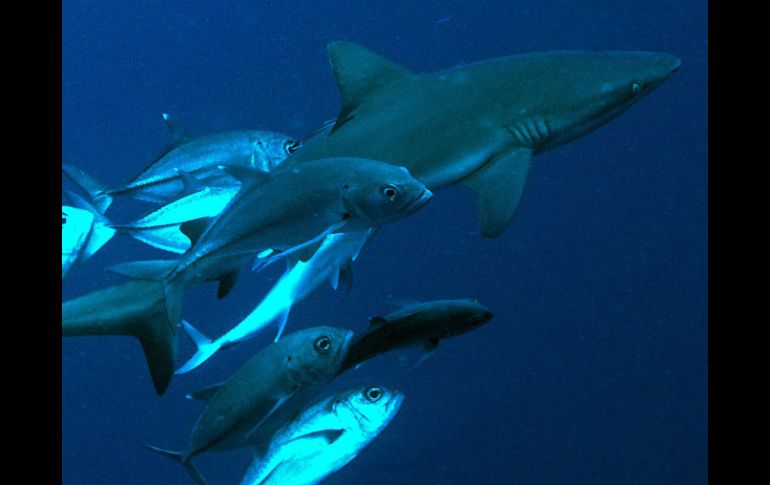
(194, 229)
(374, 321)
(191, 184)
(178, 134)
(359, 71)
(498, 187)
(206, 393)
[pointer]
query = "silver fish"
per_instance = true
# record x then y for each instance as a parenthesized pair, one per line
(324, 438)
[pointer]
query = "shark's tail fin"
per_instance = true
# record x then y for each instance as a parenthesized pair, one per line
(134, 309)
(181, 458)
(95, 189)
(206, 348)
(168, 273)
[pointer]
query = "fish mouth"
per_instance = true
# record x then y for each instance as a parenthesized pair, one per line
(420, 201)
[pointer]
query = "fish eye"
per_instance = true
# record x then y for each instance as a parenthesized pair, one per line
(63, 218)
(390, 191)
(636, 87)
(322, 344)
(290, 146)
(373, 394)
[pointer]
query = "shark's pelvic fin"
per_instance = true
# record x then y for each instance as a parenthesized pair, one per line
(498, 187)
(358, 72)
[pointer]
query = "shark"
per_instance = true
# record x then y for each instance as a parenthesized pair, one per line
(480, 124)
(477, 125)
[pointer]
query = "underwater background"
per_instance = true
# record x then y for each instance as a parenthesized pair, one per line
(594, 368)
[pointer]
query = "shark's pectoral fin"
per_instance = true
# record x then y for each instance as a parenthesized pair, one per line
(359, 71)
(498, 187)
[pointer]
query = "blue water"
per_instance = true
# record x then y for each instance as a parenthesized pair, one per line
(594, 369)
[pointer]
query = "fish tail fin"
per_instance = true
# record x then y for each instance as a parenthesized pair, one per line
(102, 230)
(205, 348)
(98, 193)
(180, 458)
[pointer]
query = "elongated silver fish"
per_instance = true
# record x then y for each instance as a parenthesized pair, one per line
(163, 180)
(260, 387)
(331, 263)
(324, 438)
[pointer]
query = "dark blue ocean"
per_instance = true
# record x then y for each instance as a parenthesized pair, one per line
(594, 368)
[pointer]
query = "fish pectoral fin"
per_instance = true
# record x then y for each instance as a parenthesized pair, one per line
(327, 435)
(206, 393)
(498, 187)
(226, 284)
(359, 71)
(195, 228)
(343, 279)
(276, 406)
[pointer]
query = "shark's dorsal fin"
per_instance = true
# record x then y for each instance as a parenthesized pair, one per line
(498, 187)
(359, 71)
(374, 321)
(194, 229)
(178, 134)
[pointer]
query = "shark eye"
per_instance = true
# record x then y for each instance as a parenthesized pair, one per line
(322, 344)
(373, 394)
(390, 191)
(636, 87)
(290, 146)
(63, 218)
